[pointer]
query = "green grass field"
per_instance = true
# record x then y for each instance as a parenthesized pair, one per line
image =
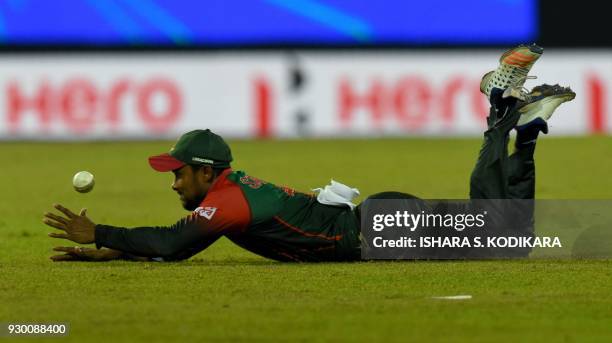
(227, 294)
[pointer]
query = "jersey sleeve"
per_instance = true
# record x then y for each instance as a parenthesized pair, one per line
(223, 211)
(179, 241)
(225, 207)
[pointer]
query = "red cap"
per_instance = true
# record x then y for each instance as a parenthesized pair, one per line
(165, 163)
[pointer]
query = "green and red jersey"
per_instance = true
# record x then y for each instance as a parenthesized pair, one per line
(278, 222)
(271, 221)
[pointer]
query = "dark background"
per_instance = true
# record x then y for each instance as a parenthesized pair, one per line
(575, 23)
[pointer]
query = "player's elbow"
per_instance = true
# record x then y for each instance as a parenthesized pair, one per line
(175, 250)
(179, 243)
(168, 250)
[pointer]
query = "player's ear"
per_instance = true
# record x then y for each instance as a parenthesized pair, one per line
(206, 173)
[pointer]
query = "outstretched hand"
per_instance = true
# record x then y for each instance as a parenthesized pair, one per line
(77, 228)
(85, 254)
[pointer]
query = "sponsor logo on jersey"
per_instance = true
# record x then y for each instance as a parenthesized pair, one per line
(289, 191)
(252, 182)
(206, 212)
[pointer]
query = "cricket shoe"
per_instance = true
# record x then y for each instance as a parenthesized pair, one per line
(513, 70)
(540, 104)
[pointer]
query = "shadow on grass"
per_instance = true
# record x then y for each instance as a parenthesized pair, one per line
(195, 263)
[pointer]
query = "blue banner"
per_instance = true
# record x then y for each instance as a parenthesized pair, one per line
(266, 22)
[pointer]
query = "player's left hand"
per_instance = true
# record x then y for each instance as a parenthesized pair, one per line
(78, 228)
(85, 254)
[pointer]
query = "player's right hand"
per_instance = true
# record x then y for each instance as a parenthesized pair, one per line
(77, 227)
(85, 254)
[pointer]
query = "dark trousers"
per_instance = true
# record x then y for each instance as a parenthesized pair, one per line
(509, 180)
(496, 175)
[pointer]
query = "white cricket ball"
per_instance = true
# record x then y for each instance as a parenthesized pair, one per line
(83, 181)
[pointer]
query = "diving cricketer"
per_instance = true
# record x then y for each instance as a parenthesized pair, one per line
(283, 224)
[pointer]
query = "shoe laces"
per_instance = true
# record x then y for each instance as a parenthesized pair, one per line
(524, 91)
(517, 85)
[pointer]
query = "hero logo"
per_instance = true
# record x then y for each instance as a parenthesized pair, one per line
(413, 103)
(206, 212)
(81, 105)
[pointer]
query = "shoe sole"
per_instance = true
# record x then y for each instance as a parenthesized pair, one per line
(543, 108)
(532, 48)
(485, 80)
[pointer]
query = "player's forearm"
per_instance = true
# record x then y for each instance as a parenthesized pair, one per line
(143, 241)
(174, 243)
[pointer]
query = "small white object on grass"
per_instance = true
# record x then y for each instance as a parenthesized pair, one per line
(83, 181)
(454, 297)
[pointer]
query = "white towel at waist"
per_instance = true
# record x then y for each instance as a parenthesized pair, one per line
(337, 194)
